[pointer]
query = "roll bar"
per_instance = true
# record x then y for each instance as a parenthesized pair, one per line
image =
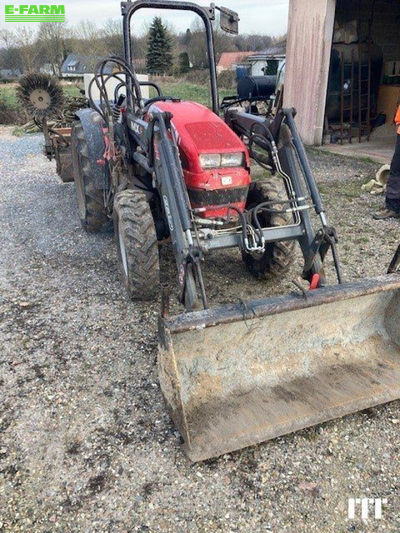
(207, 14)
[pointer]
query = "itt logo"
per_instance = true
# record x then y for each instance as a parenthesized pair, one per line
(365, 508)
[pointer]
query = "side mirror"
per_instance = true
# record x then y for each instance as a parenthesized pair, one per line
(229, 21)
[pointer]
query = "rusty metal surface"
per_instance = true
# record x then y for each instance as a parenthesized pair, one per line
(62, 151)
(64, 164)
(281, 304)
(239, 382)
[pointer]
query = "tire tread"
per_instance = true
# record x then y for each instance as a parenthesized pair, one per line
(278, 256)
(94, 212)
(132, 214)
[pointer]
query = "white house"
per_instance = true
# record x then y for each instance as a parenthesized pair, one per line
(268, 61)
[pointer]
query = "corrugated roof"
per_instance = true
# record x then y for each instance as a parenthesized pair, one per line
(277, 50)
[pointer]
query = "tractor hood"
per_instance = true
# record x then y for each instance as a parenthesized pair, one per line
(200, 131)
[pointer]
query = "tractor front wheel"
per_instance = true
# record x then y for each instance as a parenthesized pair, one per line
(137, 245)
(278, 256)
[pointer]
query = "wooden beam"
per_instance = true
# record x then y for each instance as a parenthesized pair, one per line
(308, 54)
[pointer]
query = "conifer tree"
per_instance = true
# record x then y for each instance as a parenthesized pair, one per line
(184, 63)
(159, 56)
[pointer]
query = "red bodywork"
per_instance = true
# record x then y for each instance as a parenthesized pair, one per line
(200, 131)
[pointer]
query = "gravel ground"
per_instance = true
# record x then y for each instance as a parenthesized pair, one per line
(86, 444)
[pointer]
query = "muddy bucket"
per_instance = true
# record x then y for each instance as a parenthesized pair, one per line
(240, 375)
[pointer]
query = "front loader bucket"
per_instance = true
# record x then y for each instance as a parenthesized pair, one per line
(240, 375)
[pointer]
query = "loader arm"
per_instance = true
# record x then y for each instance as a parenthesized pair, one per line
(157, 139)
(279, 137)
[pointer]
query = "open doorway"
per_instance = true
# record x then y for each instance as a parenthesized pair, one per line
(364, 79)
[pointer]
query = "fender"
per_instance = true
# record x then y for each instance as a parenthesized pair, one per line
(92, 128)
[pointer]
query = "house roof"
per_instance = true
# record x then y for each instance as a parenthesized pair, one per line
(10, 72)
(277, 51)
(79, 64)
(229, 59)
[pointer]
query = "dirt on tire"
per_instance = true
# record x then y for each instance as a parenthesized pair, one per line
(91, 209)
(278, 256)
(137, 245)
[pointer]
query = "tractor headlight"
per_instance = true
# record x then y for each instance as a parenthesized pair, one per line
(232, 160)
(210, 160)
(221, 160)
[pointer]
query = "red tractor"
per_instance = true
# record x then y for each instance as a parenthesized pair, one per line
(162, 169)
(165, 168)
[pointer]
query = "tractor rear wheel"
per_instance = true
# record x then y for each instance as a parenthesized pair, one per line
(278, 256)
(92, 212)
(137, 245)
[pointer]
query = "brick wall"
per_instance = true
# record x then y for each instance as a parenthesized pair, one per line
(386, 24)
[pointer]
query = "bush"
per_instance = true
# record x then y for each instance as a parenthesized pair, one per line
(227, 80)
(196, 75)
(9, 114)
(184, 63)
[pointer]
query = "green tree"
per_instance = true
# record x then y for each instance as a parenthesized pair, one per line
(184, 63)
(159, 56)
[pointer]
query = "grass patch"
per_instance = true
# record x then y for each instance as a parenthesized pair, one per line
(323, 189)
(9, 109)
(11, 112)
(362, 240)
(71, 90)
(8, 96)
(18, 131)
(350, 189)
(189, 91)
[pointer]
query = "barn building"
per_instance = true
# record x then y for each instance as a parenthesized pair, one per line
(343, 72)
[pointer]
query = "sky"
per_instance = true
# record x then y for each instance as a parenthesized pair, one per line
(256, 16)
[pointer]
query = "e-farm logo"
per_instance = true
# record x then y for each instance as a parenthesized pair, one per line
(34, 13)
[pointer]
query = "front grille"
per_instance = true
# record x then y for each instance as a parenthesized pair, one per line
(202, 198)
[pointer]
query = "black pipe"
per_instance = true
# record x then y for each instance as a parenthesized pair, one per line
(395, 264)
(314, 192)
(142, 160)
(151, 84)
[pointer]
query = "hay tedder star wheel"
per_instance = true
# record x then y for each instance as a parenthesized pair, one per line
(41, 95)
